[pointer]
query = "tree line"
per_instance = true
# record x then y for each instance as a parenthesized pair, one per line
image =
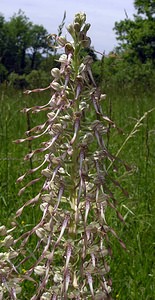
(137, 37)
(22, 44)
(132, 63)
(25, 48)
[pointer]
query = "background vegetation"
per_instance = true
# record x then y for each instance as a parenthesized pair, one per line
(127, 76)
(26, 52)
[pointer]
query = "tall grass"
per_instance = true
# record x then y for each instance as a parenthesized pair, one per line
(133, 271)
(12, 125)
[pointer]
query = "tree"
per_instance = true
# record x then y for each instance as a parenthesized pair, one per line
(21, 43)
(137, 37)
(2, 35)
(3, 70)
(17, 40)
(38, 42)
(145, 7)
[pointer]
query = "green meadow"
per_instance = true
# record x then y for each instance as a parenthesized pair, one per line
(133, 270)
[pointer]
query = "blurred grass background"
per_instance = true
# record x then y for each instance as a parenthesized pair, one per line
(132, 271)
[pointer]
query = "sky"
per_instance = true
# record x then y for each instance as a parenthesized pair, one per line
(101, 14)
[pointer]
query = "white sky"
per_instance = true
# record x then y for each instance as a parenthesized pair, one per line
(102, 15)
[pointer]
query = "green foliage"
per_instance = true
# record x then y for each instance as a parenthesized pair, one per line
(132, 63)
(34, 78)
(137, 37)
(17, 81)
(3, 73)
(21, 43)
(134, 276)
(49, 62)
(145, 7)
(119, 72)
(25, 47)
(37, 78)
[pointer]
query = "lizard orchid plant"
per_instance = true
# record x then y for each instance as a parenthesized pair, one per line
(72, 245)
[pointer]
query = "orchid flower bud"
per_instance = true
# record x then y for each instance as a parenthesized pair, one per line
(3, 230)
(46, 198)
(57, 278)
(46, 296)
(80, 18)
(61, 41)
(8, 241)
(43, 206)
(41, 233)
(75, 282)
(69, 48)
(63, 58)
(40, 270)
(71, 30)
(77, 27)
(13, 254)
(55, 72)
(56, 86)
(47, 173)
(102, 97)
(86, 27)
(86, 42)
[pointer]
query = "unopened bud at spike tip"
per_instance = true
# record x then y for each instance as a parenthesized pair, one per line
(71, 30)
(77, 26)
